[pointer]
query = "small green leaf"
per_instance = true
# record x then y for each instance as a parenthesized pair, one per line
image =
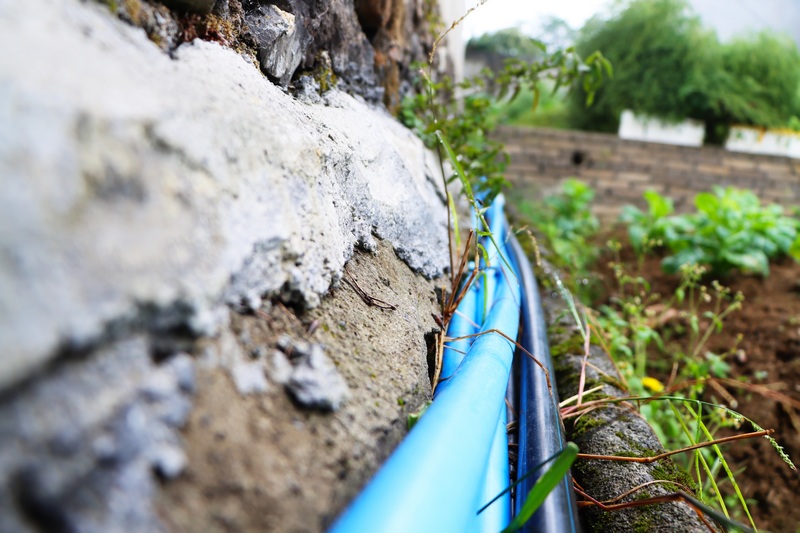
(658, 206)
(754, 261)
(456, 166)
(680, 294)
(706, 202)
(693, 323)
(794, 250)
(413, 418)
(454, 219)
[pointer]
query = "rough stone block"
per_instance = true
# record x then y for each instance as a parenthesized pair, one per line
(281, 39)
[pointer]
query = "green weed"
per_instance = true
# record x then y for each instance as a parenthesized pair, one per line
(567, 223)
(466, 123)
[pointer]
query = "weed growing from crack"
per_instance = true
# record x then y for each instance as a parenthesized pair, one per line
(460, 135)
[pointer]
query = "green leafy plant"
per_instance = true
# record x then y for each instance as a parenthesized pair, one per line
(729, 230)
(732, 230)
(566, 221)
(466, 126)
(636, 317)
(648, 230)
(467, 123)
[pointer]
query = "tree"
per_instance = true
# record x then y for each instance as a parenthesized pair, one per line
(653, 45)
(507, 43)
(668, 66)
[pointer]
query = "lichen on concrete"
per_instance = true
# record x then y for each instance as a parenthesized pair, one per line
(614, 429)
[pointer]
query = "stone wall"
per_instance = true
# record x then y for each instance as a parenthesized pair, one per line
(620, 171)
(364, 46)
(166, 206)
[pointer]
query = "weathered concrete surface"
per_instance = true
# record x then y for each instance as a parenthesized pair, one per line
(268, 463)
(78, 450)
(140, 188)
(154, 210)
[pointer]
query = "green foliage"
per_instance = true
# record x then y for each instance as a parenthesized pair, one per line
(551, 111)
(567, 223)
(732, 230)
(468, 123)
(510, 42)
(729, 230)
(654, 48)
(544, 486)
(635, 319)
(467, 128)
(648, 230)
(669, 66)
(638, 324)
(765, 69)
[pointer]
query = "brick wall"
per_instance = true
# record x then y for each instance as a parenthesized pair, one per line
(620, 171)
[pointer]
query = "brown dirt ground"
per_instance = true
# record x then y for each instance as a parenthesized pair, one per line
(260, 463)
(770, 323)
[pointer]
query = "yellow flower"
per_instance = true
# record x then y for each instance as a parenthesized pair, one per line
(652, 384)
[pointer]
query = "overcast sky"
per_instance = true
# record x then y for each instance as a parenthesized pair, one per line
(727, 17)
(498, 14)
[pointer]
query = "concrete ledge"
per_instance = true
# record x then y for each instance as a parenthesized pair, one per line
(143, 189)
(614, 430)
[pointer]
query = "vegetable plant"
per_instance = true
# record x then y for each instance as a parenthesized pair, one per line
(649, 229)
(729, 230)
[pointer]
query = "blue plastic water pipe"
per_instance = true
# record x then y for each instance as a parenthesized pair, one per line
(461, 325)
(498, 515)
(456, 458)
(434, 480)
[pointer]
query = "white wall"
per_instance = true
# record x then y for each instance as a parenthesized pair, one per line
(455, 45)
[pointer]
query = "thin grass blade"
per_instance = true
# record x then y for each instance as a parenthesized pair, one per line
(544, 486)
(454, 218)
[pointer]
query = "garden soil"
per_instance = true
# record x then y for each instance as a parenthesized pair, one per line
(770, 324)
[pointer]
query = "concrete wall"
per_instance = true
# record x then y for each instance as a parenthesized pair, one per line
(149, 202)
(620, 171)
